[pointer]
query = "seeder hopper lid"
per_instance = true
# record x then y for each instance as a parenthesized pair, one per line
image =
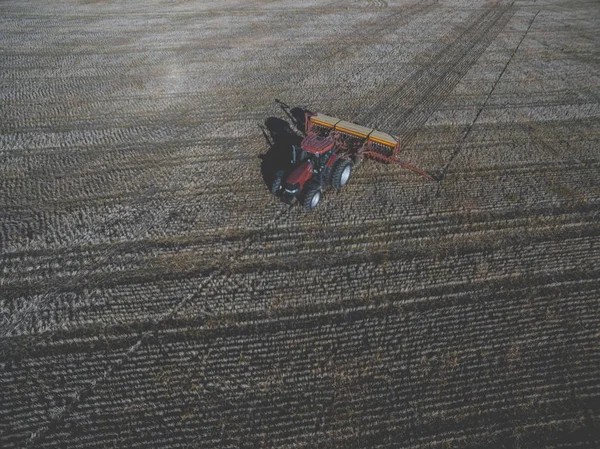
(324, 120)
(353, 129)
(383, 138)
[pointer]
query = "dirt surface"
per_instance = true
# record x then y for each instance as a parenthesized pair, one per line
(153, 293)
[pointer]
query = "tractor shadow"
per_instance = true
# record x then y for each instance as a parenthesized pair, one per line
(281, 139)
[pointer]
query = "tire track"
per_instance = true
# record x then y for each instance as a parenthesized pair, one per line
(423, 92)
(466, 133)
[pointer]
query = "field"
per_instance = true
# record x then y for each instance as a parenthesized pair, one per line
(153, 293)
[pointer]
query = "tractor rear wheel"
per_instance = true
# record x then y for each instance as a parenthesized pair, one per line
(277, 183)
(313, 196)
(340, 173)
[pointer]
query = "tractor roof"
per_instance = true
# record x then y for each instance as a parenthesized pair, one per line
(316, 144)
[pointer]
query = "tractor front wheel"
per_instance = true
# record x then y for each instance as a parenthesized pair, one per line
(277, 183)
(340, 173)
(313, 196)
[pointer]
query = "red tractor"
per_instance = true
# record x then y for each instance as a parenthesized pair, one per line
(317, 166)
(327, 155)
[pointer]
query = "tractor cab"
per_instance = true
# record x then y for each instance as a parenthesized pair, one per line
(317, 150)
(317, 145)
(315, 165)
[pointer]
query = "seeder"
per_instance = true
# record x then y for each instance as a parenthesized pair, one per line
(327, 154)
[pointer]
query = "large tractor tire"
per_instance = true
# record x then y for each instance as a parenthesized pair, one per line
(340, 173)
(277, 183)
(313, 196)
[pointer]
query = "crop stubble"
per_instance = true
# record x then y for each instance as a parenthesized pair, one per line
(152, 291)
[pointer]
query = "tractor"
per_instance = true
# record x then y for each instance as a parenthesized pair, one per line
(327, 155)
(317, 166)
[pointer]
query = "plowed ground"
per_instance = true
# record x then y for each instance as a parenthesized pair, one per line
(153, 293)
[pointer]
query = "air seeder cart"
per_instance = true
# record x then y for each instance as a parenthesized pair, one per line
(328, 153)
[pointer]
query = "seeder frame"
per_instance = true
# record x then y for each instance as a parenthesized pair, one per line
(373, 144)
